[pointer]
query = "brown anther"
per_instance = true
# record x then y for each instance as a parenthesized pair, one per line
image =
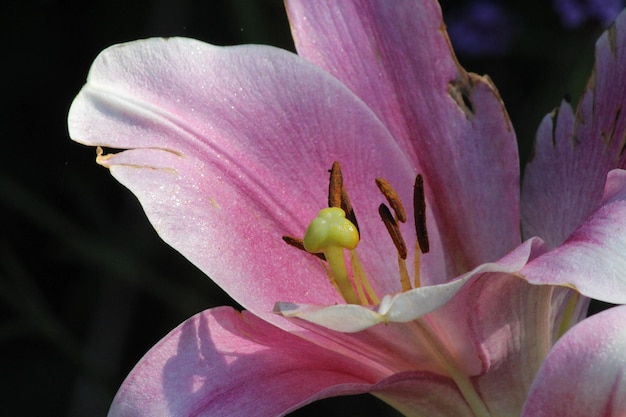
(393, 229)
(335, 187)
(419, 211)
(338, 196)
(392, 198)
(297, 243)
(347, 207)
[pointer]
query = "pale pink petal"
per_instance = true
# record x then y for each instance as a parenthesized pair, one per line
(396, 56)
(394, 348)
(499, 328)
(472, 328)
(585, 373)
(405, 306)
(422, 394)
(228, 149)
(563, 182)
(222, 363)
(225, 363)
(593, 259)
(512, 325)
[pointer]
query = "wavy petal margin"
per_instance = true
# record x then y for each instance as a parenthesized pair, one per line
(593, 259)
(563, 182)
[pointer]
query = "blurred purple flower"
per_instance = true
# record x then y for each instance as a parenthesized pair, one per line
(482, 28)
(574, 13)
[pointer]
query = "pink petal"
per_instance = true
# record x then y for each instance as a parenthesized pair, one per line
(563, 183)
(495, 322)
(229, 150)
(499, 328)
(422, 394)
(585, 373)
(512, 325)
(225, 363)
(397, 57)
(405, 306)
(593, 259)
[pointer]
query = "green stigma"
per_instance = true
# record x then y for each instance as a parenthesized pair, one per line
(330, 229)
(330, 233)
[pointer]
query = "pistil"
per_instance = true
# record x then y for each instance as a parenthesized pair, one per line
(330, 233)
(335, 230)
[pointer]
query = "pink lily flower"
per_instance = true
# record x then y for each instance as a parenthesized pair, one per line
(228, 148)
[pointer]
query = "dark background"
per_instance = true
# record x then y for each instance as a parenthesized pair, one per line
(86, 286)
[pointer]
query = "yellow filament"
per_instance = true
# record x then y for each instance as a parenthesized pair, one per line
(358, 282)
(449, 363)
(568, 314)
(416, 266)
(361, 293)
(361, 280)
(405, 281)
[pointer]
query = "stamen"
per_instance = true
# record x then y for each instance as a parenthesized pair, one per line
(393, 229)
(416, 266)
(335, 186)
(330, 233)
(297, 243)
(419, 211)
(347, 207)
(338, 196)
(396, 237)
(392, 198)
(335, 229)
(357, 279)
(361, 281)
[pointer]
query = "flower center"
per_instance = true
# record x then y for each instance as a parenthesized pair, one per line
(335, 230)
